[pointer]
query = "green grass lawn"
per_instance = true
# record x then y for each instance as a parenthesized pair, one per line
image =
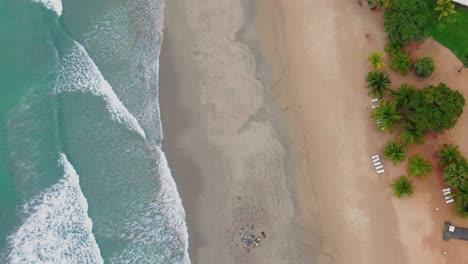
(451, 32)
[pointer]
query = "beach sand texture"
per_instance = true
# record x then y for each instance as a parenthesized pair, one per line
(267, 125)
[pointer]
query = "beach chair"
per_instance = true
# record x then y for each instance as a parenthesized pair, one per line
(447, 193)
(374, 100)
(448, 197)
(378, 163)
(450, 201)
(375, 157)
(375, 106)
(451, 229)
(446, 190)
(379, 167)
(380, 171)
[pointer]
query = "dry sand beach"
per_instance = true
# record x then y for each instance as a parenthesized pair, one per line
(269, 131)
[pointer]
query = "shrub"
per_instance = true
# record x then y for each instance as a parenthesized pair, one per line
(406, 20)
(400, 62)
(394, 151)
(376, 60)
(424, 67)
(418, 166)
(402, 186)
(378, 83)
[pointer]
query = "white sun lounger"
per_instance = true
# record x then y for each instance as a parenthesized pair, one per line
(448, 197)
(375, 100)
(450, 201)
(380, 171)
(375, 106)
(374, 156)
(379, 167)
(446, 190)
(447, 193)
(378, 163)
(451, 228)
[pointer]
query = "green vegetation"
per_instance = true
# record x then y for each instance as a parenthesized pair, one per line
(445, 8)
(411, 135)
(376, 61)
(451, 32)
(394, 151)
(375, 3)
(378, 83)
(418, 166)
(406, 20)
(456, 175)
(424, 67)
(449, 154)
(402, 187)
(435, 108)
(387, 116)
(403, 95)
(400, 62)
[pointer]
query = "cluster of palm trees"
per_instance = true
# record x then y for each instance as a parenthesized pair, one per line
(456, 175)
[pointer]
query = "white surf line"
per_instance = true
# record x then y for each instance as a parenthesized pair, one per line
(54, 5)
(78, 72)
(57, 228)
(172, 203)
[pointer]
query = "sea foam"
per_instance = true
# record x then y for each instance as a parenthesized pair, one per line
(57, 228)
(78, 72)
(54, 5)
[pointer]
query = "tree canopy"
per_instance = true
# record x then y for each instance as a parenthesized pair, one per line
(406, 20)
(378, 83)
(376, 60)
(387, 116)
(394, 151)
(402, 187)
(400, 62)
(418, 166)
(445, 8)
(435, 108)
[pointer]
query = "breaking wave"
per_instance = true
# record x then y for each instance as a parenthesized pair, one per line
(54, 5)
(57, 228)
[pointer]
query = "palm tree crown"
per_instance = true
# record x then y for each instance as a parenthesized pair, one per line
(376, 60)
(445, 8)
(394, 151)
(378, 83)
(402, 186)
(411, 135)
(403, 95)
(418, 166)
(449, 154)
(456, 174)
(387, 116)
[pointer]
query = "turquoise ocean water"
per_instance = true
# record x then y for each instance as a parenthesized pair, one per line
(83, 178)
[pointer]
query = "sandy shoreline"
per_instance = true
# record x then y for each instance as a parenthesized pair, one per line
(227, 152)
(266, 123)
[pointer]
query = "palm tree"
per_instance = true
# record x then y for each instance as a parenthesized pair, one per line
(449, 154)
(461, 202)
(400, 62)
(378, 83)
(403, 95)
(387, 116)
(394, 151)
(445, 8)
(456, 174)
(411, 135)
(376, 60)
(402, 186)
(418, 166)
